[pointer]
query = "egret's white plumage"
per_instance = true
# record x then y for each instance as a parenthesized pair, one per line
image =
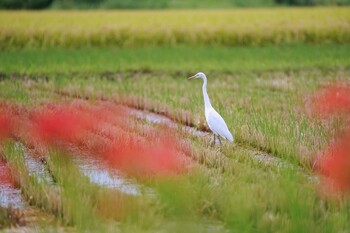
(214, 120)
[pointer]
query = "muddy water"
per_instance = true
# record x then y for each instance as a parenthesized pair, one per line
(10, 196)
(99, 173)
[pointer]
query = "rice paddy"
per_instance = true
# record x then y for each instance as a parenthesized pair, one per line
(72, 29)
(105, 133)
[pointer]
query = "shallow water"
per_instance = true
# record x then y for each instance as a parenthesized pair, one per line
(35, 166)
(10, 196)
(160, 119)
(100, 174)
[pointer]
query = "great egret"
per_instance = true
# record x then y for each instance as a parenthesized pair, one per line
(214, 120)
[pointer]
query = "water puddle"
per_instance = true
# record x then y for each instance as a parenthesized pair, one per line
(10, 196)
(35, 166)
(100, 174)
(160, 119)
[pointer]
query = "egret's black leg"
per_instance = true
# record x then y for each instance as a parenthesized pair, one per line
(213, 143)
(220, 140)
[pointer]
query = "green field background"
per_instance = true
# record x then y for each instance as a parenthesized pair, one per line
(74, 29)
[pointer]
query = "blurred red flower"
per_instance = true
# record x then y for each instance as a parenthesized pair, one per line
(5, 174)
(145, 158)
(5, 124)
(332, 100)
(106, 131)
(334, 162)
(60, 123)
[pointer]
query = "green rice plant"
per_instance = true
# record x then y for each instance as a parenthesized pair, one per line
(40, 194)
(265, 113)
(178, 61)
(73, 199)
(4, 221)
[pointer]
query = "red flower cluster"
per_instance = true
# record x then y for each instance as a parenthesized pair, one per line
(5, 123)
(59, 123)
(5, 174)
(105, 130)
(332, 100)
(139, 157)
(334, 163)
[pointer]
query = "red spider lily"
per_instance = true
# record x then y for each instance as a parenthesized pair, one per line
(154, 154)
(105, 130)
(5, 124)
(145, 158)
(332, 100)
(335, 164)
(60, 124)
(5, 177)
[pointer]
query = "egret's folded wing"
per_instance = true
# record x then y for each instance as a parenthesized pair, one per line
(218, 125)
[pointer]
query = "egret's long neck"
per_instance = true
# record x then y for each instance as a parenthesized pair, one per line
(207, 103)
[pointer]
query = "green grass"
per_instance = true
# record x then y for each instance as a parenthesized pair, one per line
(263, 110)
(174, 59)
(4, 220)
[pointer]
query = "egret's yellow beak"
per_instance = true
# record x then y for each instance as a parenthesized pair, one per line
(192, 77)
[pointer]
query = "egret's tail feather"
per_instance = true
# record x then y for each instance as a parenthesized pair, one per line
(230, 137)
